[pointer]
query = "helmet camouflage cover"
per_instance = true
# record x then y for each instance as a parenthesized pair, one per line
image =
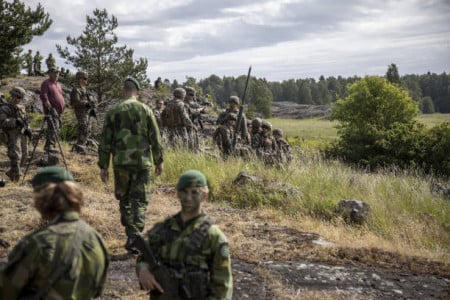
(179, 93)
(234, 99)
(18, 92)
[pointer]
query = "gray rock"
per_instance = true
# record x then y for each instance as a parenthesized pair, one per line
(244, 178)
(353, 211)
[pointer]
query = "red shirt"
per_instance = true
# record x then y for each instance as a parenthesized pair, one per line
(51, 91)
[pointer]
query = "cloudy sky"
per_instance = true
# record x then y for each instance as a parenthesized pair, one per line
(281, 39)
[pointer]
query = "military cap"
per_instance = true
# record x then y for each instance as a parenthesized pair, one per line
(190, 90)
(256, 122)
(179, 93)
(53, 70)
(266, 124)
(81, 75)
(232, 116)
(234, 99)
(134, 81)
(51, 174)
(18, 92)
(277, 131)
(191, 178)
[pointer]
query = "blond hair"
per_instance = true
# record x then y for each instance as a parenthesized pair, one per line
(56, 198)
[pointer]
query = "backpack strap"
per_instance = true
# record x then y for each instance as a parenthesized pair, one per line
(66, 261)
(198, 236)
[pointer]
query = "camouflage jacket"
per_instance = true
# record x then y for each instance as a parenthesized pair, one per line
(79, 98)
(172, 240)
(284, 150)
(38, 255)
(131, 135)
(223, 136)
(175, 115)
(9, 114)
(243, 130)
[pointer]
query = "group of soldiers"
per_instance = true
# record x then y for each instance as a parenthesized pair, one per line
(180, 122)
(33, 64)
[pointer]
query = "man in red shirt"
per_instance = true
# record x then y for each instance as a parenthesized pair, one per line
(53, 103)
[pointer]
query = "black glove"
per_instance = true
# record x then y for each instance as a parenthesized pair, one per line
(28, 132)
(19, 122)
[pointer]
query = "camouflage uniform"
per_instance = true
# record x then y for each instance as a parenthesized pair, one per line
(13, 121)
(284, 153)
(176, 120)
(28, 58)
(50, 62)
(80, 101)
(38, 255)
(37, 59)
(256, 134)
(131, 135)
(207, 268)
(224, 135)
(243, 130)
(267, 150)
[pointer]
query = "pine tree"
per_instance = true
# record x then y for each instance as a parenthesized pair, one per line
(96, 52)
(18, 26)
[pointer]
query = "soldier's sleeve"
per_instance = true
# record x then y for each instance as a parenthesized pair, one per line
(155, 138)
(21, 267)
(6, 121)
(101, 284)
(221, 280)
(187, 122)
(105, 145)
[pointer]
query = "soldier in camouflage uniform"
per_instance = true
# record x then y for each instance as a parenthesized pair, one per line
(28, 59)
(37, 60)
(157, 111)
(50, 62)
(256, 134)
(284, 153)
(234, 104)
(66, 259)
(176, 121)
(223, 136)
(194, 111)
(131, 136)
(81, 103)
(268, 148)
(191, 245)
(14, 125)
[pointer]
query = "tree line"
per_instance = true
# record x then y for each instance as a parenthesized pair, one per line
(96, 51)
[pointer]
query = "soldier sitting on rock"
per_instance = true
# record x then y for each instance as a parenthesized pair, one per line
(13, 125)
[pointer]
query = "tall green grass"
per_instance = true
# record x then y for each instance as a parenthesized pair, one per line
(402, 206)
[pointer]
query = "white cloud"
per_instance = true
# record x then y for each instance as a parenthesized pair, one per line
(282, 39)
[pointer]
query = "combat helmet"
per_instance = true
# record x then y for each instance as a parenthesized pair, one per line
(266, 125)
(190, 90)
(179, 93)
(256, 122)
(18, 92)
(234, 99)
(277, 131)
(81, 75)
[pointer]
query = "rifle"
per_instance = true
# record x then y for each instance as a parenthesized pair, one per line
(162, 274)
(241, 111)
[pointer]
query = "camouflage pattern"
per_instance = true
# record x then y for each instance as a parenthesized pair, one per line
(171, 241)
(38, 254)
(37, 60)
(50, 62)
(81, 105)
(243, 130)
(12, 135)
(132, 189)
(175, 119)
(284, 153)
(28, 59)
(131, 135)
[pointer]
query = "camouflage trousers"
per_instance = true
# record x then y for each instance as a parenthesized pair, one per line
(178, 137)
(83, 127)
(132, 189)
(14, 145)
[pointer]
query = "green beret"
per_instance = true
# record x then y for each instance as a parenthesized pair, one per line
(191, 178)
(51, 174)
(134, 80)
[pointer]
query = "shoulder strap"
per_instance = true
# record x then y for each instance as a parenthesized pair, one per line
(198, 236)
(66, 262)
